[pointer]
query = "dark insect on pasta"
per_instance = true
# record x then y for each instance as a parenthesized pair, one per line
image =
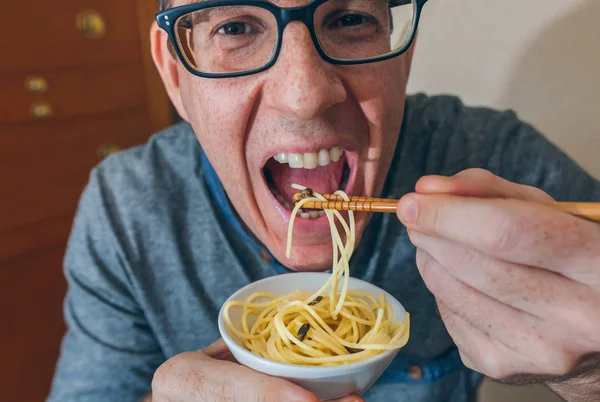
(302, 195)
(350, 350)
(316, 301)
(303, 331)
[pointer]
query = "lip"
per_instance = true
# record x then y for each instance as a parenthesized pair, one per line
(322, 222)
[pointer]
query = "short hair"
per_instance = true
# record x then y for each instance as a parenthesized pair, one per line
(163, 4)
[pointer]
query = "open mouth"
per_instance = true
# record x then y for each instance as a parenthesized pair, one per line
(325, 171)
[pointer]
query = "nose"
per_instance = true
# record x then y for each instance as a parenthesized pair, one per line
(302, 84)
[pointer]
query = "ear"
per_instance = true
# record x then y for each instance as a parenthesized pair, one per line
(167, 64)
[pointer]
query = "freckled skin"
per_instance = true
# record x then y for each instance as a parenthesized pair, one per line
(302, 100)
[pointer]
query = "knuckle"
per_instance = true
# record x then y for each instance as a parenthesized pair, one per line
(176, 373)
(422, 259)
(506, 235)
(162, 379)
(535, 194)
(477, 174)
(429, 270)
(162, 375)
(494, 369)
(467, 362)
(561, 362)
(448, 317)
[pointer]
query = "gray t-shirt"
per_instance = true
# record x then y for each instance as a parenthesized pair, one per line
(156, 249)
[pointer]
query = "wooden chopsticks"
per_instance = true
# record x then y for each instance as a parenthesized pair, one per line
(585, 210)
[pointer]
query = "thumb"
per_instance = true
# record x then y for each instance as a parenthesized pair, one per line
(350, 398)
(244, 384)
(194, 376)
(219, 350)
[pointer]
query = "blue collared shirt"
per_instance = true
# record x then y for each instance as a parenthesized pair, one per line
(156, 249)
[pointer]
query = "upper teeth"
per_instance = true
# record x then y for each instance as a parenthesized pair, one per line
(310, 160)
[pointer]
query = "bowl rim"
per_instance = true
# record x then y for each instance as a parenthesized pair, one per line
(277, 368)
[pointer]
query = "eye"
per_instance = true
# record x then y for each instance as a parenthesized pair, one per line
(350, 20)
(235, 28)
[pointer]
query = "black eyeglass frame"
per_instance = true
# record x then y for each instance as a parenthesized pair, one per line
(168, 19)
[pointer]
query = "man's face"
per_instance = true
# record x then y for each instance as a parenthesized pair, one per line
(300, 106)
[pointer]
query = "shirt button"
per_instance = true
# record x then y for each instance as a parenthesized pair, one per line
(265, 256)
(415, 372)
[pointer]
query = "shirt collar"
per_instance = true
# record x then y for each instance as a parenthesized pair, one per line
(218, 192)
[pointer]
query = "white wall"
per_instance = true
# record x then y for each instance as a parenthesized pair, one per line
(540, 58)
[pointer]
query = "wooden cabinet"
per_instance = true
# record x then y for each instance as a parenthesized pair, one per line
(76, 83)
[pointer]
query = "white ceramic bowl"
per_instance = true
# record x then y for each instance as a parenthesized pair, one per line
(327, 382)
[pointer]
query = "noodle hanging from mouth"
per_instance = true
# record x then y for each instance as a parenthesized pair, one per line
(323, 328)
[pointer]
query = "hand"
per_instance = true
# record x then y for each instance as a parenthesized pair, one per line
(517, 283)
(212, 375)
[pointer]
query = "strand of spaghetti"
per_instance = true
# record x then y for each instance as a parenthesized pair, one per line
(346, 251)
(337, 240)
(344, 258)
(349, 249)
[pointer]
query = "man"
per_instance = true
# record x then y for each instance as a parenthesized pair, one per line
(316, 95)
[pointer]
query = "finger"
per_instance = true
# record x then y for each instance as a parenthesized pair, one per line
(498, 320)
(196, 376)
(467, 361)
(219, 350)
(480, 183)
(481, 351)
(511, 230)
(542, 293)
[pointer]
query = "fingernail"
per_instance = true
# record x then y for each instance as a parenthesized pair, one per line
(351, 398)
(408, 210)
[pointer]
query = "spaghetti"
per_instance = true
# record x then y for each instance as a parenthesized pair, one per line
(328, 327)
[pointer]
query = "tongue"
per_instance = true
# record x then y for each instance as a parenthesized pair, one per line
(323, 179)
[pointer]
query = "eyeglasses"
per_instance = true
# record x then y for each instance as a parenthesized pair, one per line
(228, 38)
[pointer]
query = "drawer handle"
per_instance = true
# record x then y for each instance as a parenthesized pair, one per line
(42, 110)
(91, 23)
(108, 149)
(36, 85)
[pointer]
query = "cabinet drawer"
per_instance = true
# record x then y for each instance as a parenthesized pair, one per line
(32, 291)
(45, 166)
(60, 94)
(69, 33)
